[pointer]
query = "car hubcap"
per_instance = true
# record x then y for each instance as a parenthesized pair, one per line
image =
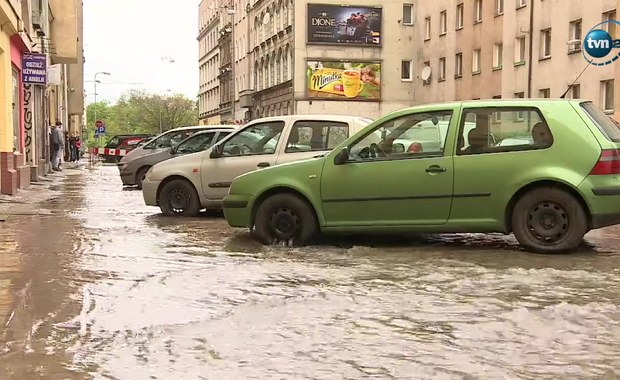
(285, 223)
(179, 200)
(548, 222)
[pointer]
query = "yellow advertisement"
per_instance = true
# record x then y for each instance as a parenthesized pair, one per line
(333, 80)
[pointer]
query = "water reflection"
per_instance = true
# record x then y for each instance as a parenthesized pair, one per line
(133, 294)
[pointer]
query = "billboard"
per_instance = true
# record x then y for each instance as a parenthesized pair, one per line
(344, 25)
(343, 80)
(34, 69)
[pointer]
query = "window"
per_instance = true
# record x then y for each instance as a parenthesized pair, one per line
(221, 136)
(459, 16)
(519, 116)
(499, 7)
(475, 65)
(407, 14)
(575, 91)
(520, 50)
(545, 43)
(492, 130)
(544, 93)
(607, 95)
(443, 23)
(197, 143)
(477, 11)
(257, 139)
(458, 65)
(575, 30)
(405, 70)
(521, 3)
(606, 124)
(306, 136)
(498, 52)
(416, 135)
(610, 27)
(427, 29)
(442, 69)
(169, 139)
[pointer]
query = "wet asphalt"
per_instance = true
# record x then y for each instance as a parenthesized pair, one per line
(106, 288)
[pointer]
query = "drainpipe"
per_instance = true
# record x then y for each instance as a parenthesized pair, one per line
(531, 53)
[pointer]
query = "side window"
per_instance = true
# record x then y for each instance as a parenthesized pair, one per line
(256, 139)
(307, 136)
(166, 140)
(221, 136)
(503, 129)
(197, 143)
(417, 135)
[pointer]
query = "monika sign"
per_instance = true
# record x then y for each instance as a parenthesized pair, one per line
(34, 69)
(344, 25)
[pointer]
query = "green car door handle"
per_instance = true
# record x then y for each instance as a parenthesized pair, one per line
(435, 169)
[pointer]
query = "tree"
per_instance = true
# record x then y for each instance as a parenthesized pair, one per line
(140, 112)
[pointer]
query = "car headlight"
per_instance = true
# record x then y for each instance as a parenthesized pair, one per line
(124, 167)
(149, 173)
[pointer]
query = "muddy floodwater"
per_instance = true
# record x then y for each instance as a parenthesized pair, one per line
(106, 288)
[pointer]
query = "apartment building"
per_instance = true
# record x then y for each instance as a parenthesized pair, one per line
(41, 82)
(476, 49)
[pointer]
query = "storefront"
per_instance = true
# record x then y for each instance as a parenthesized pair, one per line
(17, 102)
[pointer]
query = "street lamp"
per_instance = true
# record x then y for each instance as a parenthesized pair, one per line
(97, 81)
(161, 126)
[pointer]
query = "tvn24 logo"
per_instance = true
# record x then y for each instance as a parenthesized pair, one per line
(598, 45)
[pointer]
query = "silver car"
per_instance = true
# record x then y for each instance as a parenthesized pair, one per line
(167, 140)
(133, 172)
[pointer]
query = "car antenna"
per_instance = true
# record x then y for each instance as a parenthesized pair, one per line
(575, 81)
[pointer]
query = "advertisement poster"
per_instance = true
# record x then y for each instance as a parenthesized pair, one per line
(334, 80)
(342, 24)
(34, 69)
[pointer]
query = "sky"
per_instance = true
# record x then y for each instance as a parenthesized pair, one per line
(135, 40)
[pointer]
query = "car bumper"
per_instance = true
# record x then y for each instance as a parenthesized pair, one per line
(128, 178)
(149, 192)
(237, 210)
(603, 197)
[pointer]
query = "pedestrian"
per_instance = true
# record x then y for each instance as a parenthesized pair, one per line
(58, 145)
(78, 148)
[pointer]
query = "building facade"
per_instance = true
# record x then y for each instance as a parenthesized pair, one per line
(41, 82)
(309, 56)
(209, 63)
(476, 49)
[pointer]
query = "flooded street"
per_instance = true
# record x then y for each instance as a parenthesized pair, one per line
(107, 288)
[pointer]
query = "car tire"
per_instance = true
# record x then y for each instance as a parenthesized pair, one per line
(140, 174)
(285, 218)
(549, 220)
(179, 198)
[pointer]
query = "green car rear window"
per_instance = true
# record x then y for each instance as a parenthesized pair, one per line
(608, 126)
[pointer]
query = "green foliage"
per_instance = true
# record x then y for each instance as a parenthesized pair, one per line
(139, 112)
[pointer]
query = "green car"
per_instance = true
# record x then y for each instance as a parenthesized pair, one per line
(556, 177)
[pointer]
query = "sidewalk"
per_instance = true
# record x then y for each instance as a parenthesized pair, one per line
(31, 201)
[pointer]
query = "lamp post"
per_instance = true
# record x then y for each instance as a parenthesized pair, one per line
(161, 126)
(96, 81)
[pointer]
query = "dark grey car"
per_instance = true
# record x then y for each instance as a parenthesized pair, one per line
(133, 172)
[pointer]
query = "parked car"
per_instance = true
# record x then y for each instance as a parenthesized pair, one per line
(123, 142)
(185, 185)
(133, 172)
(549, 190)
(167, 140)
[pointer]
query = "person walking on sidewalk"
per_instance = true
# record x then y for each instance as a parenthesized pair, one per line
(58, 145)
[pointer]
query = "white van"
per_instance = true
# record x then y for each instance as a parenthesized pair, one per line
(183, 186)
